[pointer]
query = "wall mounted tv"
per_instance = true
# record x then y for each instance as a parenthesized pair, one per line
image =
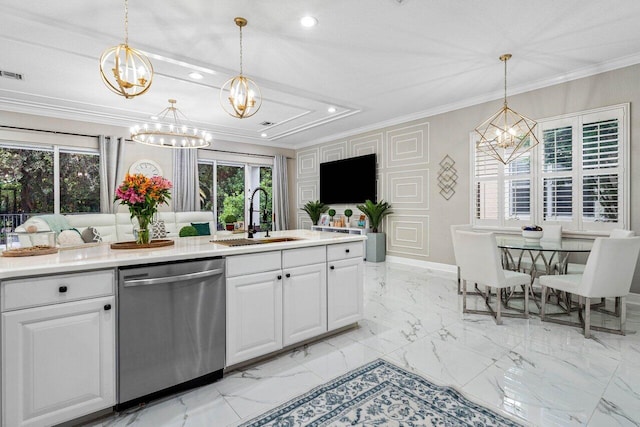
(350, 180)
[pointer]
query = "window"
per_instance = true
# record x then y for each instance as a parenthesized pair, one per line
(79, 182)
(575, 177)
(225, 188)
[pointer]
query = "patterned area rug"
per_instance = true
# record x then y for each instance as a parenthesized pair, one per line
(380, 394)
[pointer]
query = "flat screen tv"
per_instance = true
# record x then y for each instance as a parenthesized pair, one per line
(350, 180)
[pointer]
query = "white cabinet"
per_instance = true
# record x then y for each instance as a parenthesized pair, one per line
(279, 298)
(254, 315)
(345, 284)
(304, 294)
(58, 358)
(254, 305)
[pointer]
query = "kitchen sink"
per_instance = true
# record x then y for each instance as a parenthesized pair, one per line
(247, 242)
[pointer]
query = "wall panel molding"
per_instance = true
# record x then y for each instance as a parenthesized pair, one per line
(307, 161)
(368, 144)
(332, 152)
(408, 235)
(408, 189)
(308, 190)
(408, 145)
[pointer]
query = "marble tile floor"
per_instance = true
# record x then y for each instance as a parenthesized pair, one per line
(542, 374)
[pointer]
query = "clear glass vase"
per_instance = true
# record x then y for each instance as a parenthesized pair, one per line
(143, 231)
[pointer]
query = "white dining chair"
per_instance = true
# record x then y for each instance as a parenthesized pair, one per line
(616, 233)
(454, 228)
(608, 273)
(478, 258)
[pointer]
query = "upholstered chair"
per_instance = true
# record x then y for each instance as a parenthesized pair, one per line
(478, 258)
(608, 273)
(454, 228)
(617, 233)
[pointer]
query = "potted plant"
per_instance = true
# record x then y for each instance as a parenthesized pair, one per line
(376, 243)
(229, 221)
(348, 213)
(332, 213)
(315, 209)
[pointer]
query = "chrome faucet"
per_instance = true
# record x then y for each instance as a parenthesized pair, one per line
(252, 228)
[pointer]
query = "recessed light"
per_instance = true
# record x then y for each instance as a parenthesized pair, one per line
(308, 21)
(153, 117)
(264, 135)
(331, 109)
(195, 75)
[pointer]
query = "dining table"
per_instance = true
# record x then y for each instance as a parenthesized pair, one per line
(554, 255)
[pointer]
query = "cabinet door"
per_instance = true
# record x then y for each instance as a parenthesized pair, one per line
(58, 362)
(254, 315)
(305, 302)
(345, 282)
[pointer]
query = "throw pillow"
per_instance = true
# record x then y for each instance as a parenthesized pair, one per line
(158, 229)
(91, 235)
(70, 238)
(202, 228)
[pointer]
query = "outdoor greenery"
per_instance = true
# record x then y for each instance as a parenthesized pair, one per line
(27, 175)
(231, 194)
(375, 212)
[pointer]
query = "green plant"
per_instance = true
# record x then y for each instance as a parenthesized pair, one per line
(375, 212)
(315, 209)
(230, 219)
(332, 213)
(348, 213)
(188, 231)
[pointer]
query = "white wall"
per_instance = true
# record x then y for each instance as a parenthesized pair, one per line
(448, 134)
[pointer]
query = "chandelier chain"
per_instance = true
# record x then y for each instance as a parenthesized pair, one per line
(126, 23)
(505, 81)
(240, 50)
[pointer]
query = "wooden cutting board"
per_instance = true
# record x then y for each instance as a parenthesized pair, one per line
(30, 251)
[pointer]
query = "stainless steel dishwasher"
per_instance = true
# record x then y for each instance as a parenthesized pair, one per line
(171, 328)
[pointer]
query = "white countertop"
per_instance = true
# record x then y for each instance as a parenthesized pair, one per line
(102, 256)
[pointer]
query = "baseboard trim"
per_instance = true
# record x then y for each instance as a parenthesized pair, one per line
(447, 271)
(633, 298)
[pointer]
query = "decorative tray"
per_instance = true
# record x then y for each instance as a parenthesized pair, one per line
(152, 244)
(30, 251)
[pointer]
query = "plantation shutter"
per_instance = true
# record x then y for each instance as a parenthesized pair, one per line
(557, 172)
(486, 189)
(601, 169)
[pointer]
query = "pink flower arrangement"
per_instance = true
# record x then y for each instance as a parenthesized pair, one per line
(143, 195)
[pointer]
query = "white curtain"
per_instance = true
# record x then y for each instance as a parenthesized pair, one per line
(280, 193)
(186, 185)
(111, 163)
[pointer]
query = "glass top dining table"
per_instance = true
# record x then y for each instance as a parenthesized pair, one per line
(553, 253)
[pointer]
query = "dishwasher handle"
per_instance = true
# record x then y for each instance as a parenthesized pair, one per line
(173, 279)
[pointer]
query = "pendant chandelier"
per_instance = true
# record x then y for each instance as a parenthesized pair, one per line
(506, 135)
(126, 71)
(240, 96)
(170, 131)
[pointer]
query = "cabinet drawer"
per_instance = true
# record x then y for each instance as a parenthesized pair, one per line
(344, 251)
(303, 256)
(253, 263)
(36, 291)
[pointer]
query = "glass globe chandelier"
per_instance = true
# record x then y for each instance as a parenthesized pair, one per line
(170, 131)
(240, 96)
(124, 70)
(506, 135)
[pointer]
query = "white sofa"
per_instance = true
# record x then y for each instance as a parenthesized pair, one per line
(118, 227)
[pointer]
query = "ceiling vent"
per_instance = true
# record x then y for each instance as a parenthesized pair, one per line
(265, 123)
(11, 75)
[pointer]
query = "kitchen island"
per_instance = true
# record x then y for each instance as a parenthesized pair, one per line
(60, 311)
